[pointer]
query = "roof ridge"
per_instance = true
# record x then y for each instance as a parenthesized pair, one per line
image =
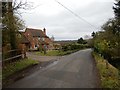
(34, 29)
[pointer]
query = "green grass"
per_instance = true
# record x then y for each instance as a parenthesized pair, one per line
(11, 68)
(56, 53)
(109, 77)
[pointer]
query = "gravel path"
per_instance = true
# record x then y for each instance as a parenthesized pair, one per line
(32, 55)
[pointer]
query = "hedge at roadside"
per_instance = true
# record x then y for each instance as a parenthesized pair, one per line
(110, 77)
(74, 47)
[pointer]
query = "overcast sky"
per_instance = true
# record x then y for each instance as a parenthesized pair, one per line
(63, 25)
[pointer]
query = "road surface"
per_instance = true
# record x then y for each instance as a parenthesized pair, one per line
(76, 70)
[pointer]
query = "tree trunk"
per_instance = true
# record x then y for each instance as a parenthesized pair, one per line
(11, 26)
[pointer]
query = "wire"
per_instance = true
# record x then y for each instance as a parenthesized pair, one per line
(79, 17)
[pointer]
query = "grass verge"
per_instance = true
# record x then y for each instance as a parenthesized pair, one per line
(56, 53)
(110, 77)
(14, 67)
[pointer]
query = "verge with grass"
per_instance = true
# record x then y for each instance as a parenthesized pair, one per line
(16, 66)
(56, 53)
(110, 77)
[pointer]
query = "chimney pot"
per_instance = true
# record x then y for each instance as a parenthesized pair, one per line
(44, 30)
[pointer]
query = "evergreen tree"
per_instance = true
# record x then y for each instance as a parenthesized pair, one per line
(81, 41)
(116, 9)
(116, 23)
(93, 34)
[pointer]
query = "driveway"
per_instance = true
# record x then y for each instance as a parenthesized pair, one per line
(76, 70)
(33, 56)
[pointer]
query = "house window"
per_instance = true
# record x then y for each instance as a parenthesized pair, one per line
(43, 39)
(39, 38)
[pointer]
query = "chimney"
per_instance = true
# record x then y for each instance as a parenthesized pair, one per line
(44, 30)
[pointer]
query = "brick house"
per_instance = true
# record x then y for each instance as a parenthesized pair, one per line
(36, 38)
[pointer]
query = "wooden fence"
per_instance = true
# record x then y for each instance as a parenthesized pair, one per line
(13, 55)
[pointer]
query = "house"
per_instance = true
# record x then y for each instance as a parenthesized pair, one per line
(24, 42)
(34, 39)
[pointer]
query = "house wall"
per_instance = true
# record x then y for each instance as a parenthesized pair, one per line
(36, 42)
(30, 38)
(50, 43)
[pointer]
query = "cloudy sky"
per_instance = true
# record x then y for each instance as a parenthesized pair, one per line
(61, 23)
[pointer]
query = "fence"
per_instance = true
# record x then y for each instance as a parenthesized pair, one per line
(13, 55)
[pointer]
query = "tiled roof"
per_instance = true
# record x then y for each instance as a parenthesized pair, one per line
(36, 32)
(24, 39)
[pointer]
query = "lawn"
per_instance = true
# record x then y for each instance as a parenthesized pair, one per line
(56, 53)
(11, 68)
(109, 77)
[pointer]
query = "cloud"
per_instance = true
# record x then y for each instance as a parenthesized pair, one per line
(64, 25)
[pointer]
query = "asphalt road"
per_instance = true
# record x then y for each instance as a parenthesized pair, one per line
(72, 71)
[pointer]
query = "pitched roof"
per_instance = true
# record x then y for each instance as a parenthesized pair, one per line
(24, 39)
(36, 32)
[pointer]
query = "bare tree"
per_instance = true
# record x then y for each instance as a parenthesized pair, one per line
(11, 21)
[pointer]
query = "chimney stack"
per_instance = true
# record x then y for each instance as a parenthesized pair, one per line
(44, 30)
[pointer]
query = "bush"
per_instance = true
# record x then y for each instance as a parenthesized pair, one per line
(65, 48)
(74, 47)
